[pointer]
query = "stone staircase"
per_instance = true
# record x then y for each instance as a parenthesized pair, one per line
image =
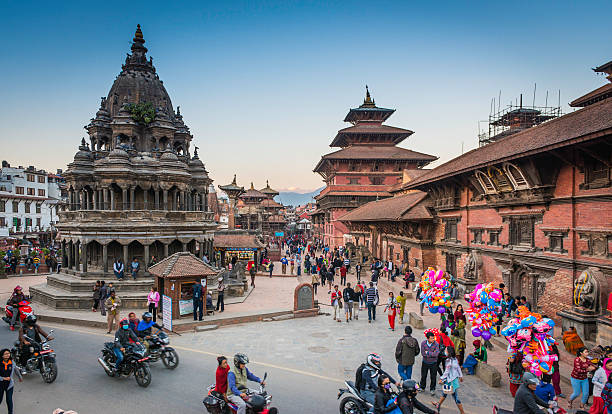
(74, 290)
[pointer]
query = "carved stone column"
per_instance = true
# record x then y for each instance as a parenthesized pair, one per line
(69, 251)
(85, 257)
(165, 200)
(125, 257)
(105, 193)
(132, 193)
(184, 246)
(156, 200)
(95, 200)
(77, 258)
(182, 201)
(146, 258)
(145, 201)
(125, 202)
(105, 258)
(112, 198)
(166, 250)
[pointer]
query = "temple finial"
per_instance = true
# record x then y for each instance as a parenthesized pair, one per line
(252, 188)
(267, 184)
(368, 101)
(138, 35)
(234, 180)
(195, 153)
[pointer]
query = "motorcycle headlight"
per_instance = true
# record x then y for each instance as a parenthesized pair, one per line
(165, 341)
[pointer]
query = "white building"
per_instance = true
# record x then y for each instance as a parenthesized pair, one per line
(28, 201)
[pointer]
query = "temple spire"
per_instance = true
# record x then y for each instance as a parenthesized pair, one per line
(138, 37)
(234, 180)
(368, 102)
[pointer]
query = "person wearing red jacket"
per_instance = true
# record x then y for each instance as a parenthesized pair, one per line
(221, 375)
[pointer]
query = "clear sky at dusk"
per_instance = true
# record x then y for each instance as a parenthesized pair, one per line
(264, 86)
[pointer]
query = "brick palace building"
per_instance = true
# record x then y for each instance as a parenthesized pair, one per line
(367, 165)
(532, 209)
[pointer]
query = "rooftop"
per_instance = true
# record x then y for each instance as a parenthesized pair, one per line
(400, 208)
(236, 239)
(180, 265)
(373, 152)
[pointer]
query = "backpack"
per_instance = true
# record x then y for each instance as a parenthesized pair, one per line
(359, 377)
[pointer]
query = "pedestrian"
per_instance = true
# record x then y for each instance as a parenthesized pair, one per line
(271, 268)
(357, 298)
(135, 265)
(459, 314)
(292, 264)
(451, 378)
(104, 293)
(358, 271)
(525, 303)
(8, 370)
(347, 295)
(220, 294)
(284, 262)
(391, 309)
(252, 272)
(198, 301)
(430, 351)
(118, 268)
(480, 351)
(578, 378)
(343, 275)
(406, 350)
(153, 302)
(96, 296)
(371, 295)
(401, 303)
(336, 302)
(298, 263)
(515, 370)
(545, 391)
(421, 297)
(113, 308)
(459, 346)
(556, 375)
(330, 277)
(606, 396)
(315, 281)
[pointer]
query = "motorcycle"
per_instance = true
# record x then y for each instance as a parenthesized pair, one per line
(353, 403)
(42, 358)
(24, 310)
(134, 361)
(258, 402)
(554, 410)
(159, 349)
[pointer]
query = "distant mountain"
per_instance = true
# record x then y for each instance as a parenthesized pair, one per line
(289, 198)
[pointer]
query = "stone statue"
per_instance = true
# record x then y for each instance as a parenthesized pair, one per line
(103, 102)
(471, 266)
(586, 291)
(237, 271)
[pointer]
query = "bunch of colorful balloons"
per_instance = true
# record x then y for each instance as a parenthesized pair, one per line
(485, 302)
(531, 335)
(435, 290)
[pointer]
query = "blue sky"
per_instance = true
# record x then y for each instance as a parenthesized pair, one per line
(264, 86)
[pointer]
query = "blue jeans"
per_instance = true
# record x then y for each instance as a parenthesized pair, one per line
(119, 275)
(119, 356)
(579, 386)
(404, 371)
(371, 311)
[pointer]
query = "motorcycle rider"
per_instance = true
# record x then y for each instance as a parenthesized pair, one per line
(383, 395)
(526, 401)
(32, 330)
(144, 327)
(369, 376)
(237, 382)
(122, 340)
(13, 302)
(407, 400)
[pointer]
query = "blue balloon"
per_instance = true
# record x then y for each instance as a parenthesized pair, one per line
(492, 331)
(433, 310)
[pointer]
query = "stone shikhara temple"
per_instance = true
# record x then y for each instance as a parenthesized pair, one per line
(135, 190)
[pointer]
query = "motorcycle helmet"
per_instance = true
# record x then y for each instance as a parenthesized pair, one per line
(530, 379)
(17, 288)
(410, 387)
(147, 315)
(258, 403)
(31, 320)
(240, 359)
(124, 323)
(374, 360)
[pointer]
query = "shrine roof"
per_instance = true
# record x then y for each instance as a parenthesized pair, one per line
(180, 265)
(270, 203)
(598, 94)
(235, 240)
(412, 175)
(346, 135)
(376, 152)
(354, 190)
(400, 208)
(590, 122)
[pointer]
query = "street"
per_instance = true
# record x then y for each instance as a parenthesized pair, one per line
(306, 360)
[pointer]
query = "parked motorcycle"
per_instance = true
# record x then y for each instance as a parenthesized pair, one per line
(42, 359)
(353, 402)
(554, 410)
(257, 403)
(24, 310)
(159, 349)
(134, 362)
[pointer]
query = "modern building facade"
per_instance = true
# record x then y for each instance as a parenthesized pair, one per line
(367, 165)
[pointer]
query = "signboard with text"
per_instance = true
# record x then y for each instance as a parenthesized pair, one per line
(167, 312)
(279, 234)
(185, 307)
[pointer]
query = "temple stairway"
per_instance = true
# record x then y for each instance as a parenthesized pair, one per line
(72, 289)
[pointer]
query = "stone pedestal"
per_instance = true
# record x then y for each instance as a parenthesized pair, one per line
(604, 330)
(585, 322)
(465, 286)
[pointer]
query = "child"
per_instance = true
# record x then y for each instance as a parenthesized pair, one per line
(480, 351)
(545, 390)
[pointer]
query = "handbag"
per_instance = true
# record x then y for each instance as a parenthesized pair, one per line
(447, 388)
(339, 303)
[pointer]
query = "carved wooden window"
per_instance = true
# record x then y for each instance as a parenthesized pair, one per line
(477, 236)
(376, 180)
(493, 238)
(416, 262)
(353, 181)
(375, 167)
(451, 264)
(41, 179)
(450, 230)
(405, 253)
(499, 179)
(485, 182)
(390, 252)
(19, 190)
(31, 191)
(521, 231)
(596, 173)
(352, 167)
(556, 243)
(516, 176)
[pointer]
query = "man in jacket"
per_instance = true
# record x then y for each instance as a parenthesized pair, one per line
(237, 379)
(347, 294)
(198, 301)
(123, 336)
(430, 350)
(526, 402)
(113, 306)
(370, 297)
(406, 350)
(13, 302)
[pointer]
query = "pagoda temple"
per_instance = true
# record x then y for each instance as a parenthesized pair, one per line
(135, 193)
(367, 165)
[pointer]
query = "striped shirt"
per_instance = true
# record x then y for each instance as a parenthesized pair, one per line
(370, 295)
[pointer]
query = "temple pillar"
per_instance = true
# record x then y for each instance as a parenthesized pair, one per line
(182, 201)
(94, 197)
(105, 192)
(112, 198)
(84, 248)
(71, 199)
(145, 201)
(69, 251)
(156, 199)
(64, 255)
(132, 193)
(165, 250)
(146, 258)
(165, 200)
(184, 246)
(77, 256)
(201, 253)
(125, 195)
(125, 258)
(105, 258)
